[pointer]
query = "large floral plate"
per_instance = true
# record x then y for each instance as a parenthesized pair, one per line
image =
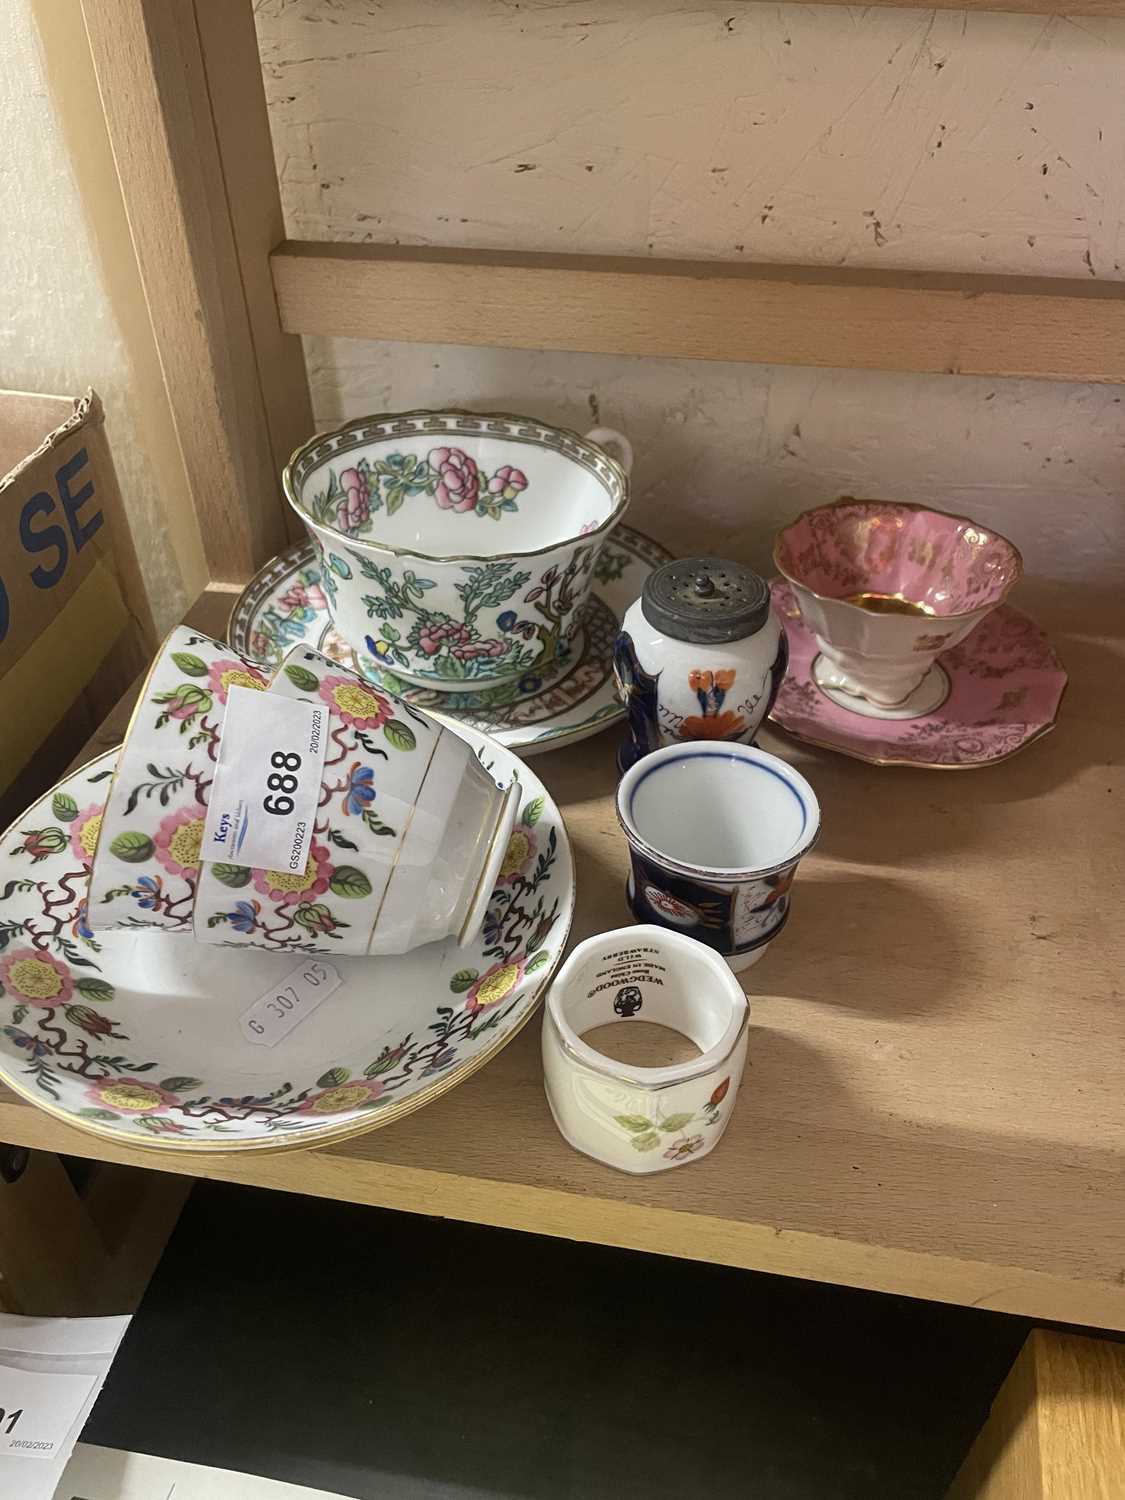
(285, 604)
(1005, 684)
(135, 1035)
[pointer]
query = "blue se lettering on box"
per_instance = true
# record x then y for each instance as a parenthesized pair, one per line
(53, 538)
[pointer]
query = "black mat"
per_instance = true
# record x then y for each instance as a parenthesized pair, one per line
(387, 1356)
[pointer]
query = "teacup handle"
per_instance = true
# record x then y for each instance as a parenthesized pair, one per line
(609, 437)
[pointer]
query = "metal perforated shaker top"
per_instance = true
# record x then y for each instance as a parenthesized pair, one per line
(706, 599)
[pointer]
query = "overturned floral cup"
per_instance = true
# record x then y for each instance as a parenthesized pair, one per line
(457, 549)
(143, 847)
(410, 837)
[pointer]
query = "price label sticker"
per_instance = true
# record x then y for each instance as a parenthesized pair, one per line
(267, 782)
(38, 1410)
(289, 1002)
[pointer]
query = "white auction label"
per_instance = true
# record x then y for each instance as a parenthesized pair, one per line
(267, 782)
(38, 1410)
(289, 1002)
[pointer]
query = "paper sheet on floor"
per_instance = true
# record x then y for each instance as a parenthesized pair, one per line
(51, 1370)
(106, 1474)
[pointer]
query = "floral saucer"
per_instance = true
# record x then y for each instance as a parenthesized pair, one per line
(1005, 687)
(138, 1036)
(284, 604)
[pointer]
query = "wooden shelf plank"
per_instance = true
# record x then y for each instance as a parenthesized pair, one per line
(1092, 8)
(935, 1103)
(185, 109)
(791, 315)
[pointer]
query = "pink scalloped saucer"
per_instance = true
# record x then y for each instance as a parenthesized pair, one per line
(1005, 687)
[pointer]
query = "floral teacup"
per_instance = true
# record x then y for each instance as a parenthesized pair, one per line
(715, 836)
(644, 1119)
(457, 549)
(410, 836)
(143, 849)
(886, 588)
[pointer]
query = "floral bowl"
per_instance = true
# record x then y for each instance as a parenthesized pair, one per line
(146, 1042)
(457, 548)
(142, 848)
(411, 832)
(886, 587)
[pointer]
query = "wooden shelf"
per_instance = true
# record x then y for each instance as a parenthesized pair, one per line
(789, 315)
(935, 1103)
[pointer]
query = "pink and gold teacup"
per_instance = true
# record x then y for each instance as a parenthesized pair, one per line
(887, 587)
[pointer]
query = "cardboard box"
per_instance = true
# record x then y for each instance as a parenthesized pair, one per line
(75, 627)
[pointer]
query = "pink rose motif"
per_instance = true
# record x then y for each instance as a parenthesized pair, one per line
(480, 648)
(34, 978)
(507, 482)
(225, 674)
(458, 479)
(354, 509)
(179, 839)
(304, 596)
(287, 887)
(444, 635)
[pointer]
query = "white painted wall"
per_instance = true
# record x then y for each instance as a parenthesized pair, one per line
(866, 137)
(60, 328)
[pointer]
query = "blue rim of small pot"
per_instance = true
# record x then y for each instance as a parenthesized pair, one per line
(698, 750)
(617, 475)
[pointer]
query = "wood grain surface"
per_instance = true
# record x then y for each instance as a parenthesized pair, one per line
(1057, 1426)
(935, 1098)
(788, 315)
(189, 226)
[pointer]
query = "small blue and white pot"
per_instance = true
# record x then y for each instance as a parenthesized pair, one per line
(716, 833)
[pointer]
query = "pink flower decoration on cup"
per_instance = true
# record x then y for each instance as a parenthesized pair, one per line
(357, 703)
(223, 675)
(84, 832)
(33, 978)
(179, 839)
(481, 648)
(446, 635)
(288, 887)
(458, 486)
(131, 1096)
(355, 508)
(342, 1097)
(507, 482)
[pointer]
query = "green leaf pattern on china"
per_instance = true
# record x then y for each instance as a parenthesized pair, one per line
(400, 735)
(133, 847)
(234, 876)
(333, 1078)
(190, 665)
(100, 991)
(348, 881)
(302, 678)
(532, 812)
(463, 980)
(64, 807)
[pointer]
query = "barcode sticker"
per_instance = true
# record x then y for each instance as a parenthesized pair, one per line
(286, 1004)
(267, 782)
